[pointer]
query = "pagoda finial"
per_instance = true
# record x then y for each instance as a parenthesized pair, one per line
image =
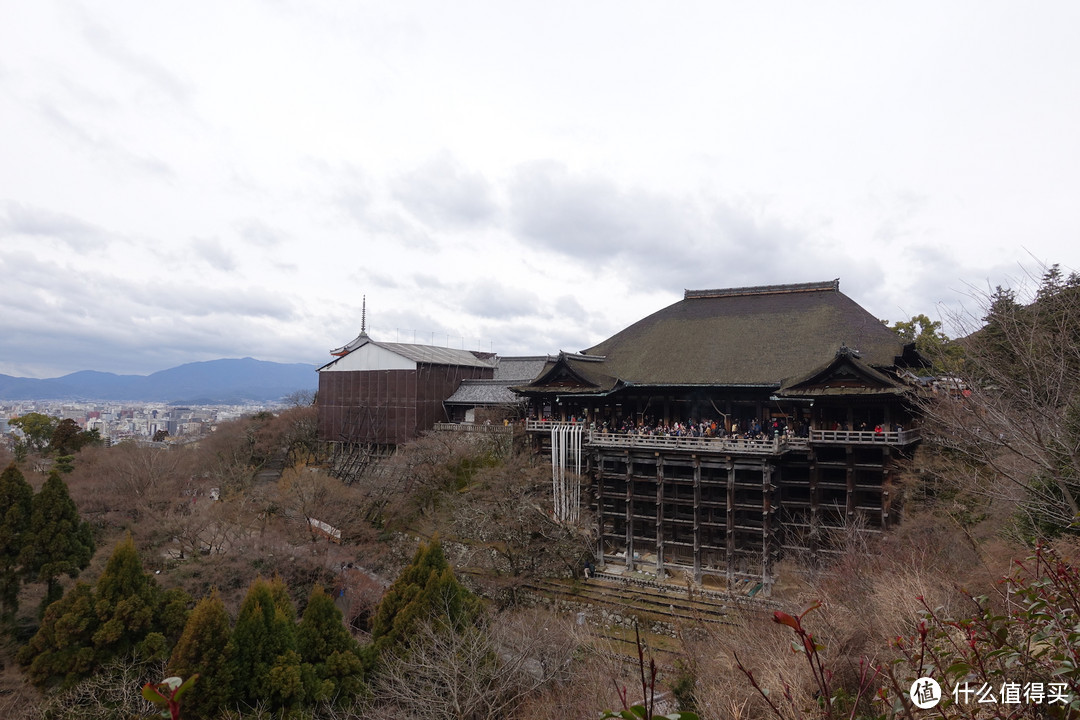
(363, 315)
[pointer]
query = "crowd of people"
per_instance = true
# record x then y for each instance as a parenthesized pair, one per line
(746, 430)
(751, 429)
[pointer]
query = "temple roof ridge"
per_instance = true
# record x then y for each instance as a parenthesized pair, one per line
(828, 285)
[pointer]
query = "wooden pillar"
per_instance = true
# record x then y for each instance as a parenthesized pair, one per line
(599, 553)
(697, 518)
(850, 477)
(659, 515)
(766, 524)
(814, 533)
(629, 512)
(886, 487)
(731, 523)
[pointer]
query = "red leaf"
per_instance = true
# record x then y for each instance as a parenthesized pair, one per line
(784, 619)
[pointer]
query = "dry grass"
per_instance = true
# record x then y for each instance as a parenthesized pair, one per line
(871, 595)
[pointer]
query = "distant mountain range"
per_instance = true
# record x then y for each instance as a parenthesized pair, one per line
(216, 382)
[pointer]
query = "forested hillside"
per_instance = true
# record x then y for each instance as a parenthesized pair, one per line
(411, 591)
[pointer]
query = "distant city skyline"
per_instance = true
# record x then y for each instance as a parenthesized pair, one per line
(517, 177)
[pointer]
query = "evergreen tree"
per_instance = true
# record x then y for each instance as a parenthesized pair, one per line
(263, 657)
(332, 665)
(425, 590)
(203, 649)
(58, 542)
(128, 604)
(125, 615)
(62, 651)
(16, 498)
(68, 438)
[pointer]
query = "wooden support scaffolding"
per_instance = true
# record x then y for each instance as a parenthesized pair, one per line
(732, 516)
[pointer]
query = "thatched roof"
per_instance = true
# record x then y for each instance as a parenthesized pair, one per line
(746, 336)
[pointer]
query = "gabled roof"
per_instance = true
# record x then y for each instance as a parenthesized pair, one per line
(509, 371)
(764, 335)
(846, 374)
(361, 339)
(520, 369)
(572, 373)
(483, 392)
(435, 355)
(425, 354)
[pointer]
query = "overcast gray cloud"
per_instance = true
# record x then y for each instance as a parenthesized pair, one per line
(155, 76)
(18, 219)
(258, 233)
(491, 299)
(99, 145)
(213, 253)
(164, 200)
(441, 192)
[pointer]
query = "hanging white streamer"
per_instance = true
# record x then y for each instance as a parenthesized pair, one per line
(566, 445)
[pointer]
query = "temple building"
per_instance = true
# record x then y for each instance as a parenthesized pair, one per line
(728, 428)
(709, 438)
(383, 394)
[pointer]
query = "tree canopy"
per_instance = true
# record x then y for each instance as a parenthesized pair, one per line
(16, 502)
(37, 428)
(125, 615)
(1016, 425)
(58, 542)
(264, 661)
(931, 342)
(203, 649)
(425, 590)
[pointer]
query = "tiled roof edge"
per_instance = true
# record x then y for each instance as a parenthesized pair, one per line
(833, 285)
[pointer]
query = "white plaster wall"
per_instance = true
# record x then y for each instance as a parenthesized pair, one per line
(371, 357)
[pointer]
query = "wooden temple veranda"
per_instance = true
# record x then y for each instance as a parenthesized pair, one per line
(731, 428)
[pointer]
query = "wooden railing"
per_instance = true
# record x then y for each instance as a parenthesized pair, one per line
(697, 444)
(864, 437)
(546, 425)
(769, 446)
(471, 427)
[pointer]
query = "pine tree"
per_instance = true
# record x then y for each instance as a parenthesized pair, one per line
(425, 590)
(202, 649)
(16, 498)
(58, 542)
(333, 670)
(264, 661)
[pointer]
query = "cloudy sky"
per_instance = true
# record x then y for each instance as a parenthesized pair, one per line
(190, 181)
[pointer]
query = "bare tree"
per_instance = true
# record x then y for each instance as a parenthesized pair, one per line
(309, 493)
(505, 521)
(1009, 419)
(115, 691)
(479, 673)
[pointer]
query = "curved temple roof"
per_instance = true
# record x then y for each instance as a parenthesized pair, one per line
(767, 335)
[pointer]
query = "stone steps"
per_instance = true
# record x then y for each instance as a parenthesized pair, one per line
(616, 601)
